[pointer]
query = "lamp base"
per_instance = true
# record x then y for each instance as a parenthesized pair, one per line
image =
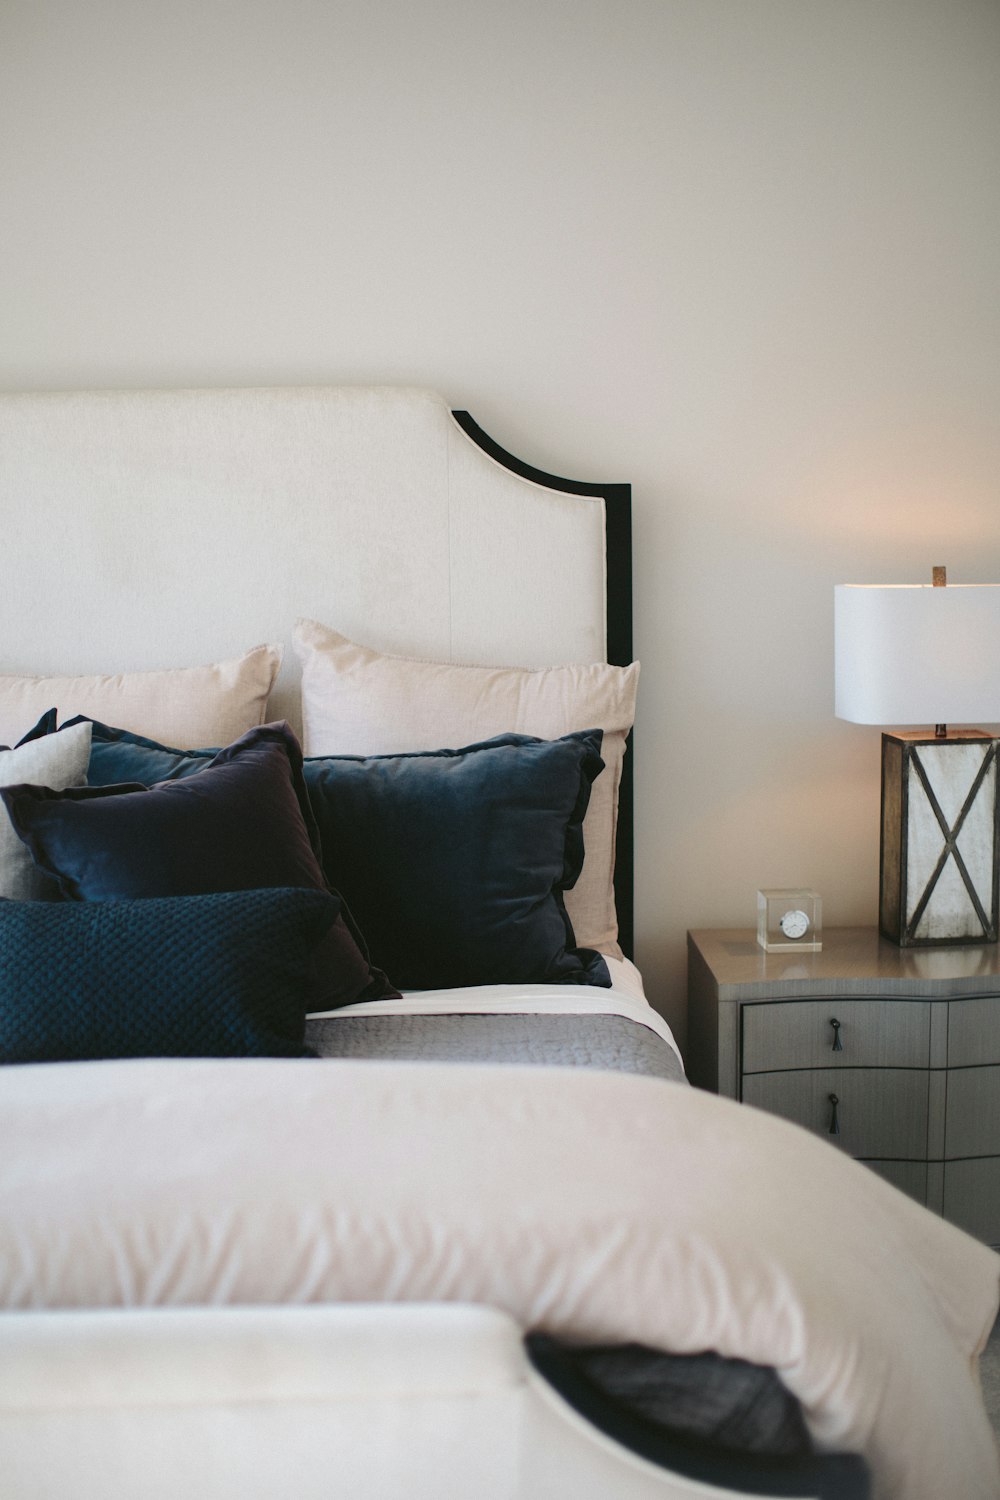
(940, 838)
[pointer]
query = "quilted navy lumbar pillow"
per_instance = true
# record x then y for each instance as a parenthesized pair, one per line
(223, 975)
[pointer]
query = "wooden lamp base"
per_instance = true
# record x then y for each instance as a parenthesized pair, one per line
(940, 838)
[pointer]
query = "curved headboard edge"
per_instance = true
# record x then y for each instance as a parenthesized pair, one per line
(618, 560)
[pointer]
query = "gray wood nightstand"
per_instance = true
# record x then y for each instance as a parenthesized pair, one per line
(891, 1053)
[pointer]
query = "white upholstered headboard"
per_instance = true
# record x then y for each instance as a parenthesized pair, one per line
(167, 528)
(145, 529)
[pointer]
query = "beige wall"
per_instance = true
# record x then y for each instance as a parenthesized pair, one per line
(743, 253)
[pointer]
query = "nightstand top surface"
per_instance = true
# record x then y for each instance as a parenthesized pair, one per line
(851, 957)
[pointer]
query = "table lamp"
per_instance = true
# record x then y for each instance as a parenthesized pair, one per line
(929, 654)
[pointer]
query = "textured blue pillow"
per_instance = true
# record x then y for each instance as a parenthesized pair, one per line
(245, 824)
(223, 975)
(453, 861)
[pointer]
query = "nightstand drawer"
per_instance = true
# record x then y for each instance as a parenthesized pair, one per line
(801, 1034)
(972, 1197)
(972, 1115)
(974, 1031)
(909, 1176)
(881, 1112)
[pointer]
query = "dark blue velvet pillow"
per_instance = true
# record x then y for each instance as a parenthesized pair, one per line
(223, 975)
(246, 823)
(456, 860)
(118, 755)
(453, 861)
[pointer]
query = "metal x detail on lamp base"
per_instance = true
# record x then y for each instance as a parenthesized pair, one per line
(938, 867)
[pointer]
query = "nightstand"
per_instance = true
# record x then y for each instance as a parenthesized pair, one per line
(892, 1054)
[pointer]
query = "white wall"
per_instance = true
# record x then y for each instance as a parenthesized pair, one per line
(743, 253)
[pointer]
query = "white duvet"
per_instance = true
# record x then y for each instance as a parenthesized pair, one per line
(593, 1205)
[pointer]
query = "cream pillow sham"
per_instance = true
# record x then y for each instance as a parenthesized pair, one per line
(356, 701)
(187, 707)
(54, 760)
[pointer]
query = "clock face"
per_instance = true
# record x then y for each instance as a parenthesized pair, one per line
(794, 924)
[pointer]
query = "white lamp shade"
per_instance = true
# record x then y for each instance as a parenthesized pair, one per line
(915, 654)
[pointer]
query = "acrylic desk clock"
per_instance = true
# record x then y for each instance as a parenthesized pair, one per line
(789, 918)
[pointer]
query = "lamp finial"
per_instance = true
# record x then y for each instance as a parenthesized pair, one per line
(939, 578)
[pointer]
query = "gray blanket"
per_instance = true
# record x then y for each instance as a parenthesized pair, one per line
(573, 1041)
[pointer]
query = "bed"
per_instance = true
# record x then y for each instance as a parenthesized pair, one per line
(341, 1153)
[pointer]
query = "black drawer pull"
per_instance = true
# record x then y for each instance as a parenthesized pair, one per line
(838, 1045)
(834, 1122)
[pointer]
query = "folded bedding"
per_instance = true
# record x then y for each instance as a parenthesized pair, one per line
(606, 1209)
(568, 1041)
(731, 1404)
(728, 1403)
(528, 1024)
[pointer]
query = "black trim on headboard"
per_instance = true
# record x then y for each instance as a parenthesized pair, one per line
(618, 554)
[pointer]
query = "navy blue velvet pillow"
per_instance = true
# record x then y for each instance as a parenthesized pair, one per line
(453, 861)
(456, 861)
(223, 975)
(118, 755)
(246, 823)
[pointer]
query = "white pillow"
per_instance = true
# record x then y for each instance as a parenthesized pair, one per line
(184, 707)
(55, 760)
(358, 702)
